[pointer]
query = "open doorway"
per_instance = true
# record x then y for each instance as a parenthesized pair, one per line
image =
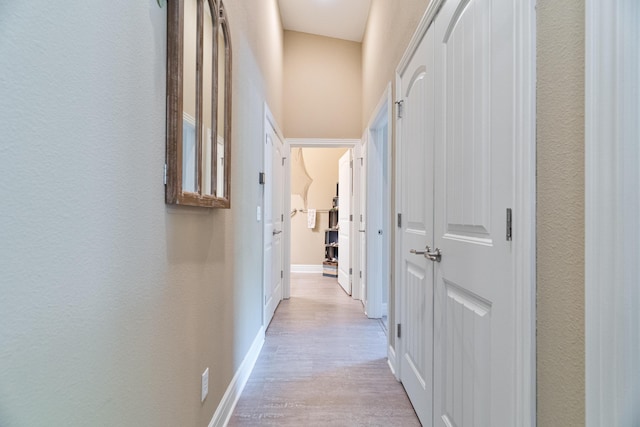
(314, 205)
(376, 192)
(312, 176)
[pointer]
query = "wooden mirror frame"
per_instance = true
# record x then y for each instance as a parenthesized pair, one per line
(174, 193)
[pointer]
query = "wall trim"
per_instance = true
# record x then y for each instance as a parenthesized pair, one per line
(230, 398)
(612, 203)
(322, 142)
(524, 244)
(306, 268)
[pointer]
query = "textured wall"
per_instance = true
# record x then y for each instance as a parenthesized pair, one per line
(322, 87)
(307, 245)
(560, 264)
(389, 30)
(112, 303)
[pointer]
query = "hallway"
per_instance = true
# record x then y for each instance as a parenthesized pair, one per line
(323, 363)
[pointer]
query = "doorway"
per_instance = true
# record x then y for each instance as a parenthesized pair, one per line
(305, 244)
(377, 212)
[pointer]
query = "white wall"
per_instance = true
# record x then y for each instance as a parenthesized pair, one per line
(112, 303)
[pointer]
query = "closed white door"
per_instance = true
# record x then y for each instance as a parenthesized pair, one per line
(474, 315)
(273, 220)
(362, 235)
(416, 183)
(344, 223)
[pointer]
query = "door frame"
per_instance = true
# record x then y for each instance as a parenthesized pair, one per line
(270, 121)
(373, 302)
(612, 202)
(313, 143)
(524, 245)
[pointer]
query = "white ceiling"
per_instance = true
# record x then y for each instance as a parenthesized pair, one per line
(341, 19)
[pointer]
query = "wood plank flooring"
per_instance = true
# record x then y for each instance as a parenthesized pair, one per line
(323, 364)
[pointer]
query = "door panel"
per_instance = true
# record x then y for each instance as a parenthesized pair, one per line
(474, 335)
(273, 221)
(344, 223)
(362, 235)
(416, 175)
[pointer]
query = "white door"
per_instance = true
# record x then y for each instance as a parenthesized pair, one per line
(362, 235)
(344, 223)
(273, 221)
(474, 314)
(416, 182)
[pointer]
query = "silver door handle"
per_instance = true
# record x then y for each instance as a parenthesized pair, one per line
(435, 256)
(274, 232)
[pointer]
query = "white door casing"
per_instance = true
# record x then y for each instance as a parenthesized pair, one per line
(300, 142)
(474, 299)
(344, 222)
(612, 225)
(273, 222)
(415, 129)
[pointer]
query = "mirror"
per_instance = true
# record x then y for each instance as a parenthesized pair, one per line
(198, 104)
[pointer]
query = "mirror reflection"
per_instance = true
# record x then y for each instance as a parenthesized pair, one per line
(207, 98)
(189, 158)
(222, 69)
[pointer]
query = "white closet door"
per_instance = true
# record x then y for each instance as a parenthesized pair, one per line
(474, 304)
(344, 223)
(416, 176)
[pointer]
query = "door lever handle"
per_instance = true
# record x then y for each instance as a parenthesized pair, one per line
(435, 256)
(274, 232)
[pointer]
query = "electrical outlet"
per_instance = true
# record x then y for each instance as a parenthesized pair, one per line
(205, 384)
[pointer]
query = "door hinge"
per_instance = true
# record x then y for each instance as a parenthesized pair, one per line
(361, 274)
(399, 330)
(399, 220)
(281, 217)
(509, 228)
(281, 274)
(261, 178)
(283, 159)
(399, 108)
(350, 271)
(165, 174)
(360, 217)
(351, 217)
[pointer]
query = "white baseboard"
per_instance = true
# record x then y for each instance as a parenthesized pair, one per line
(228, 403)
(392, 361)
(306, 268)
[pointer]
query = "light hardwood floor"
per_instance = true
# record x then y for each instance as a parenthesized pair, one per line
(323, 364)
